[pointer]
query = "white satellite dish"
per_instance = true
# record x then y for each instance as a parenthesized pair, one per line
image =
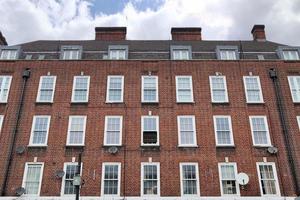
(242, 178)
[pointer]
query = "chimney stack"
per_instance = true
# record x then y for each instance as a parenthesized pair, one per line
(2, 39)
(186, 33)
(258, 33)
(110, 33)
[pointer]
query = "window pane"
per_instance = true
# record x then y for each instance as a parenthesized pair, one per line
(32, 181)
(189, 179)
(294, 82)
(268, 181)
(187, 132)
(115, 88)
(76, 130)
(150, 124)
(40, 130)
(184, 89)
(253, 90)
(113, 128)
(149, 88)
(69, 177)
(150, 179)
(81, 89)
(111, 179)
(70, 54)
(4, 87)
(259, 131)
(290, 55)
(9, 54)
(47, 88)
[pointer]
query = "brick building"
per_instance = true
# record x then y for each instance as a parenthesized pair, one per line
(171, 119)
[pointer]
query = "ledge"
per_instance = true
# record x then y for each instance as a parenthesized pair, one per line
(79, 103)
(150, 148)
(188, 147)
(220, 103)
(74, 146)
(37, 146)
(43, 103)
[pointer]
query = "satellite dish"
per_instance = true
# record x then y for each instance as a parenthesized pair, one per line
(272, 150)
(242, 178)
(59, 173)
(20, 191)
(113, 150)
(20, 149)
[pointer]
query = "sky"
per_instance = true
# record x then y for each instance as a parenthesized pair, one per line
(29, 20)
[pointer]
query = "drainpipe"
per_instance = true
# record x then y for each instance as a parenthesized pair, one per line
(285, 129)
(26, 75)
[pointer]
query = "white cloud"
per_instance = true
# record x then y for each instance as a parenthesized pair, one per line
(27, 20)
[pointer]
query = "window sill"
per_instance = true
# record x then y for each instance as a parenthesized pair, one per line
(220, 103)
(68, 146)
(149, 102)
(44, 102)
(261, 146)
(256, 103)
(114, 102)
(189, 146)
(185, 102)
(225, 146)
(150, 147)
(79, 102)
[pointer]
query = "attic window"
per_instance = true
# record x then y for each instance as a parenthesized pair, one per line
(71, 52)
(118, 52)
(227, 52)
(9, 53)
(181, 52)
(288, 53)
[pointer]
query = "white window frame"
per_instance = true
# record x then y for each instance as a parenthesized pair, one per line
(40, 88)
(62, 190)
(288, 51)
(227, 54)
(84, 129)
(87, 92)
(197, 179)
(297, 87)
(32, 130)
(105, 130)
(1, 122)
(212, 89)
(25, 175)
(156, 89)
(230, 129)
(220, 178)
(298, 122)
(142, 129)
(118, 51)
(2, 87)
(267, 130)
(108, 88)
(191, 89)
(194, 129)
(16, 53)
(260, 89)
(157, 164)
(275, 177)
(119, 179)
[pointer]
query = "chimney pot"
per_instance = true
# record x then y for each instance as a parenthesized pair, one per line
(110, 33)
(186, 33)
(258, 32)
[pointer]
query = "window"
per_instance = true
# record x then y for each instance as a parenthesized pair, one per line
(40, 130)
(189, 179)
(149, 89)
(184, 89)
(294, 82)
(115, 85)
(186, 131)
(46, 89)
(118, 52)
(218, 89)
(81, 86)
(260, 131)
(181, 52)
(268, 180)
(223, 130)
(227, 174)
(4, 88)
(113, 130)
(150, 130)
(111, 178)
(71, 52)
(150, 181)
(76, 130)
(1, 122)
(298, 121)
(227, 52)
(9, 54)
(32, 178)
(290, 55)
(70, 170)
(253, 89)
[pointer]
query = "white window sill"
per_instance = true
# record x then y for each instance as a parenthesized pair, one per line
(225, 145)
(255, 102)
(37, 145)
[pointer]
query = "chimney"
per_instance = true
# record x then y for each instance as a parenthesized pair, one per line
(258, 33)
(2, 39)
(110, 33)
(186, 33)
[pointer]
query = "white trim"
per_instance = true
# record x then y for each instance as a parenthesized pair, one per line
(105, 130)
(2, 87)
(156, 89)
(275, 177)
(84, 129)
(230, 129)
(119, 178)
(235, 174)
(297, 87)
(260, 89)
(157, 164)
(32, 130)
(194, 130)
(142, 129)
(191, 89)
(267, 130)
(64, 178)
(108, 87)
(197, 179)
(40, 87)
(298, 121)
(1, 122)
(41, 176)
(225, 88)
(87, 89)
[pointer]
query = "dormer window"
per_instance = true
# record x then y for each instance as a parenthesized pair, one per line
(118, 52)
(181, 52)
(227, 52)
(289, 53)
(9, 53)
(71, 52)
